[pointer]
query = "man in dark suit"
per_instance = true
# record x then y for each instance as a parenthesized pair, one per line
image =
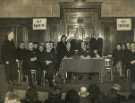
(75, 46)
(93, 44)
(132, 63)
(84, 51)
(21, 57)
(100, 45)
(49, 64)
(61, 49)
(9, 58)
(35, 47)
(32, 63)
(41, 63)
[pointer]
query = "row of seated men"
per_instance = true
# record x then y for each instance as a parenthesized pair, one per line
(39, 57)
(123, 57)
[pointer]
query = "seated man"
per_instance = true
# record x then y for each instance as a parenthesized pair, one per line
(32, 63)
(84, 53)
(21, 60)
(96, 95)
(41, 58)
(114, 95)
(72, 96)
(75, 47)
(95, 54)
(31, 96)
(54, 96)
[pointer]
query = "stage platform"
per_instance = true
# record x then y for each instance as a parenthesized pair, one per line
(76, 84)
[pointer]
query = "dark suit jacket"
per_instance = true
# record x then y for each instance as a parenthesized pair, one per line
(117, 56)
(8, 52)
(75, 45)
(31, 64)
(100, 45)
(61, 50)
(93, 44)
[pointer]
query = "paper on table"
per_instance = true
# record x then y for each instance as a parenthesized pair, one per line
(82, 57)
(68, 58)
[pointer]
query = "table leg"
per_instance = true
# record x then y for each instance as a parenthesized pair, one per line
(101, 77)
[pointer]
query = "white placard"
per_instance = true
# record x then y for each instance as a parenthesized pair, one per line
(39, 23)
(124, 24)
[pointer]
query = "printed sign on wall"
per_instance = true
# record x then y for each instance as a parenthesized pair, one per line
(39, 23)
(124, 24)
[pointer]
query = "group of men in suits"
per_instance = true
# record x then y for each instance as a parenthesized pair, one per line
(37, 57)
(44, 56)
(92, 46)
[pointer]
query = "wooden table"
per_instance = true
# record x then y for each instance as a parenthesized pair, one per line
(79, 65)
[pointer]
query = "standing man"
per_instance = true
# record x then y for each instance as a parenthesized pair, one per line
(9, 58)
(117, 60)
(61, 49)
